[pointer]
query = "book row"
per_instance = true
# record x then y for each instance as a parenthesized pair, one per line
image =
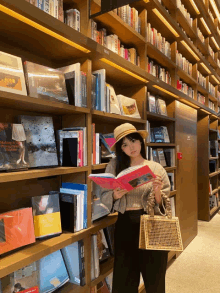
(62, 266)
(113, 43)
(156, 39)
(185, 88)
(185, 12)
(32, 144)
(158, 71)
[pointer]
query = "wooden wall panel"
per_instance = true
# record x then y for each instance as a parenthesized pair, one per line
(186, 141)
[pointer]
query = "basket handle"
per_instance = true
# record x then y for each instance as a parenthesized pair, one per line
(151, 204)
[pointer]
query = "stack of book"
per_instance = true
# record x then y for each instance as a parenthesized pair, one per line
(156, 104)
(158, 71)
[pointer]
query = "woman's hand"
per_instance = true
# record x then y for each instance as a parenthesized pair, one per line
(118, 193)
(157, 186)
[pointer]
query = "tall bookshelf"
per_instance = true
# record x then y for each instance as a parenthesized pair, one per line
(30, 33)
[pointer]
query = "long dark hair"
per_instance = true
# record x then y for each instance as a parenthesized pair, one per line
(122, 160)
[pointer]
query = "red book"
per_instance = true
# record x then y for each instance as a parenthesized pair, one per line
(16, 229)
(128, 179)
(81, 163)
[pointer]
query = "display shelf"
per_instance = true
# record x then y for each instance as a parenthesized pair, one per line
(41, 248)
(107, 117)
(185, 24)
(214, 174)
(100, 166)
(27, 103)
(186, 77)
(160, 144)
(112, 22)
(159, 117)
(156, 54)
(39, 173)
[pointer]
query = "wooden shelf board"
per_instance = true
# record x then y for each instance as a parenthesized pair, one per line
(37, 41)
(112, 22)
(156, 54)
(213, 158)
(202, 90)
(213, 130)
(168, 169)
(109, 117)
(186, 77)
(141, 288)
(105, 269)
(39, 173)
(159, 117)
(214, 191)
(22, 102)
(160, 144)
(39, 249)
(100, 166)
(72, 288)
(185, 24)
(211, 79)
(212, 62)
(213, 99)
(203, 49)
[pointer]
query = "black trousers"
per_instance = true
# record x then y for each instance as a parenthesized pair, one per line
(130, 261)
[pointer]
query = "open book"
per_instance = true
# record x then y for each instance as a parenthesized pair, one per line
(128, 179)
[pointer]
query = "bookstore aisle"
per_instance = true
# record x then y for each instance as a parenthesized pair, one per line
(196, 269)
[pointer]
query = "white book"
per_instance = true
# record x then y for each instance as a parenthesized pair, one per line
(128, 106)
(114, 104)
(76, 68)
(51, 7)
(102, 73)
(56, 9)
(80, 205)
(97, 149)
(47, 6)
(96, 255)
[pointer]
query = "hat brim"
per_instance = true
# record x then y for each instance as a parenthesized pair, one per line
(143, 133)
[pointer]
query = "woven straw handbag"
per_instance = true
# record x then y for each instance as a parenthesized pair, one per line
(160, 232)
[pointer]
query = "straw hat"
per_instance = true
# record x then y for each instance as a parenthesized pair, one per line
(125, 129)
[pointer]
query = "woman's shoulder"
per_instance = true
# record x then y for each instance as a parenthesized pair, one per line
(156, 167)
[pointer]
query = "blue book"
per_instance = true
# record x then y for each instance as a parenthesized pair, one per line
(97, 91)
(52, 272)
(73, 255)
(83, 187)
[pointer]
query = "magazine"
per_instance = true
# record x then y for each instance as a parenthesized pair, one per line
(128, 179)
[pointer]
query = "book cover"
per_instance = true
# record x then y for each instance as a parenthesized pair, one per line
(13, 147)
(128, 106)
(77, 82)
(23, 280)
(45, 82)
(114, 104)
(109, 138)
(52, 272)
(128, 179)
(109, 280)
(70, 152)
(41, 143)
(161, 157)
(106, 152)
(82, 190)
(158, 134)
(151, 103)
(73, 256)
(17, 229)
(101, 96)
(68, 211)
(46, 213)
(11, 74)
(99, 210)
(62, 134)
(109, 234)
(161, 106)
(103, 248)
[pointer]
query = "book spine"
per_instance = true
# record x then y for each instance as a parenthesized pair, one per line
(81, 262)
(80, 144)
(94, 144)
(97, 148)
(40, 4)
(47, 6)
(85, 208)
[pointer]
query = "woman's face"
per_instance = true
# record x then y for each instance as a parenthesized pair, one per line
(131, 148)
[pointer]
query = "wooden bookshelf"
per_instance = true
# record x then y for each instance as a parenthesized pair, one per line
(30, 33)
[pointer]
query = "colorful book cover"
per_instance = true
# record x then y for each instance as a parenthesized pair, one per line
(11, 74)
(52, 272)
(109, 138)
(17, 229)
(13, 147)
(128, 179)
(24, 280)
(46, 212)
(128, 106)
(41, 144)
(73, 255)
(45, 82)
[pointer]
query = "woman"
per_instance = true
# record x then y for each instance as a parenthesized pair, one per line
(130, 261)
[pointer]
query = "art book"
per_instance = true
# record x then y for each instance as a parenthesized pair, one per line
(128, 106)
(41, 144)
(46, 212)
(12, 74)
(128, 179)
(16, 229)
(13, 149)
(45, 82)
(24, 280)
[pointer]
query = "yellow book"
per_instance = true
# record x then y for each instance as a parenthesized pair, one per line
(47, 224)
